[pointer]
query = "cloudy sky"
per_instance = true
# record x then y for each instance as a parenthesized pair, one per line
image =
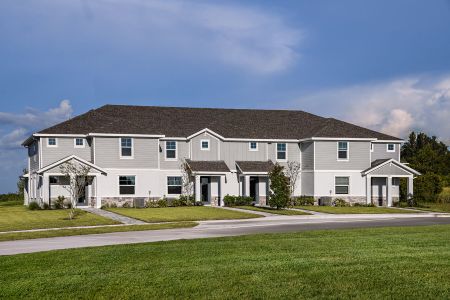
(380, 64)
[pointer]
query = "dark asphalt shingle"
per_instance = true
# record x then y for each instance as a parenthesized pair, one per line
(255, 166)
(207, 166)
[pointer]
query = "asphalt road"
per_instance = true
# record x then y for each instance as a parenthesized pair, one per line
(216, 229)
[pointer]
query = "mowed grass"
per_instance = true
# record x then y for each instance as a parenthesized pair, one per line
(356, 210)
(273, 210)
(380, 263)
(84, 231)
(183, 213)
(435, 207)
(19, 217)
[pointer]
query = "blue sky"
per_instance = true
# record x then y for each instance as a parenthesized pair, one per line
(380, 64)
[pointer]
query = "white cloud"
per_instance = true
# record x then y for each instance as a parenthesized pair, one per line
(395, 107)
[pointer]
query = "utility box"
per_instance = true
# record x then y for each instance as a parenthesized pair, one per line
(325, 201)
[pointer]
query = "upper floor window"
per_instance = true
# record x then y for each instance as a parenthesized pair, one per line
(281, 151)
(126, 147)
(371, 147)
(253, 146)
(51, 142)
(126, 185)
(171, 150)
(204, 144)
(341, 185)
(390, 148)
(342, 150)
(79, 143)
(173, 185)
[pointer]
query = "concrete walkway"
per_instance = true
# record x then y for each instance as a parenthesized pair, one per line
(113, 216)
(260, 213)
(222, 228)
(309, 211)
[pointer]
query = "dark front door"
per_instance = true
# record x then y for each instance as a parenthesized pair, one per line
(253, 187)
(204, 182)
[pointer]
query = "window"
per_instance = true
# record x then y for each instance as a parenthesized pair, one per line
(79, 143)
(126, 147)
(51, 142)
(173, 185)
(204, 144)
(53, 179)
(253, 146)
(281, 151)
(341, 185)
(342, 150)
(390, 148)
(171, 150)
(126, 185)
(371, 147)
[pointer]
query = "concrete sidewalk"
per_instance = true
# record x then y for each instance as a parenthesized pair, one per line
(113, 216)
(222, 228)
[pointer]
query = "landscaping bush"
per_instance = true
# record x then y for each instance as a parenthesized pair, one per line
(183, 200)
(340, 202)
(244, 200)
(34, 206)
(303, 200)
(229, 200)
(151, 203)
(279, 188)
(162, 202)
(59, 202)
(45, 205)
(357, 204)
(127, 205)
(198, 203)
(427, 188)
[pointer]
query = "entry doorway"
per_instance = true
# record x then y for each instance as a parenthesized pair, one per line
(205, 187)
(254, 192)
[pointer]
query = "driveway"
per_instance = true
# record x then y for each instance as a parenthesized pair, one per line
(208, 229)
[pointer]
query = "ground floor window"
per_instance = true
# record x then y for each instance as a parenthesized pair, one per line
(342, 185)
(126, 185)
(173, 185)
(53, 179)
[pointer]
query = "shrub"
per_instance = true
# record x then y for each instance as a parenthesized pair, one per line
(198, 203)
(340, 202)
(162, 202)
(59, 202)
(279, 188)
(67, 203)
(151, 203)
(443, 198)
(244, 200)
(126, 205)
(45, 205)
(229, 200)
(34, 206)
(427, 188)
(303, 200)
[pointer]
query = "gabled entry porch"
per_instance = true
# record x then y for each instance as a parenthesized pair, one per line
(254, 180)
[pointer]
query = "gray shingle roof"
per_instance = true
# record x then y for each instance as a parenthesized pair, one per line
(229, 123)
(207, 166)
(255, 166)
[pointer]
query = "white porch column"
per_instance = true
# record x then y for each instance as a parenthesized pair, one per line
(389, 191)
(45, 189)
(410, 190)
(247, 186)
(368, 189)
(221, 187)
(197, 188)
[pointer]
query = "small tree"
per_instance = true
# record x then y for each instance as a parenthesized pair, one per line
(187, 186)
(279, 187)
(292, 172)
(77, 175)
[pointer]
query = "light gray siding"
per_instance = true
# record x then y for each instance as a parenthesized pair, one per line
(65, 147)
(211, 154)
(182, 153)
(145, 150)
(326, 156)
(380, 151)
(307, 155)
(231, 152)
(33, 155)
(307, 183)
(293, 152)
(389, 169)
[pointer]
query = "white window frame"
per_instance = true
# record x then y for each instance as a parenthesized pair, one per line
(348, 151)
(118, 181)
(167, 185)
(387, 147)
(348, 187)
(56, 142)
(254, 149)
(176, 151)
(79, 146)
(120, 148)
(201, 145)
(276, 152)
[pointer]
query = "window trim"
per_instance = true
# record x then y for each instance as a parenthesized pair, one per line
(201, 145)
(335, 185)
(79, 146)
(48, 142)
(348, 151)
(132, 148)
(253, 149)
(118, 181)
(387, 147)
(276, 152)
(167, 185)
(176, 151)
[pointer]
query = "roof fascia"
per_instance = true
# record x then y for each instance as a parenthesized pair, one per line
(57, 163)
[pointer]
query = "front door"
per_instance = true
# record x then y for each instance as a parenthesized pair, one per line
(254, 188)
(204, 183)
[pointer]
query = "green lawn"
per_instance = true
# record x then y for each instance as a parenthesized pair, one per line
(18, 217)
(356, 210)
(184, 213)
(84, 231)
(436, 207)
(379, 263)
(273, 210)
